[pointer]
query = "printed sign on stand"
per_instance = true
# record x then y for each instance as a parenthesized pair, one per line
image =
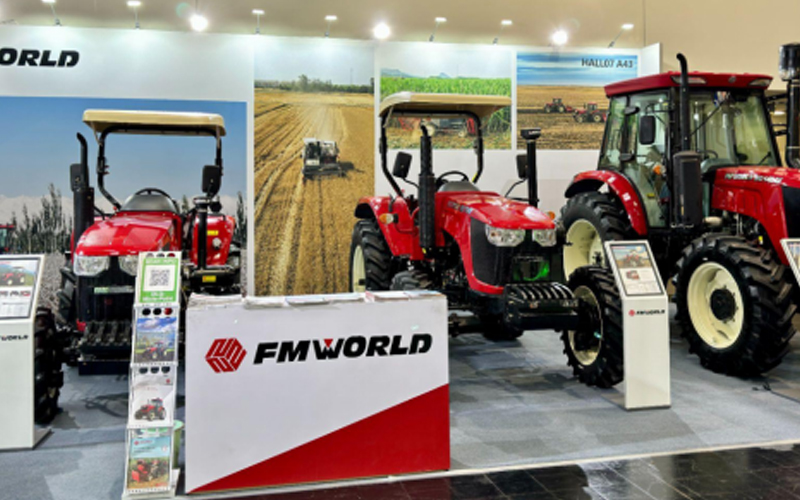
(149, 467)
(645, 324)
(155, 334)
(158, 280)
(152, 399)
(18, 286)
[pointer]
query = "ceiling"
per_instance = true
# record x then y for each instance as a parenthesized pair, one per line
(591, 23)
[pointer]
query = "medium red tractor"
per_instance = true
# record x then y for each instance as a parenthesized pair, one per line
(557, 106)
(690, 162)
(6, 230)
(97, 293)
(590, 113)
(152, 410)
(497, 260)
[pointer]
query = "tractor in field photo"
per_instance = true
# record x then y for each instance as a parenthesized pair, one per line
(589, 113)
(690, 162)
(497, 260)
(320, 158)
(97, 290)
(6, 231)
(12, 275)
(557, 106)
(152, 410)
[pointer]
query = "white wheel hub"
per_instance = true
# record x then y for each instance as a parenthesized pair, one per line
(584, 248)
(585, 349)
(715, 304)
(358, 270)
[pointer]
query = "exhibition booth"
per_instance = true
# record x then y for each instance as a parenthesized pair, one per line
(281, 331)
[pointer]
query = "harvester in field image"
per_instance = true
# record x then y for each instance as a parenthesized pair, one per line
(497, 260)
(321, 158)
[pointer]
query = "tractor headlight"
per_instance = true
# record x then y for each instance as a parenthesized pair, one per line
(85, 265)
(544, 237)
(504, 237)
(129, 264)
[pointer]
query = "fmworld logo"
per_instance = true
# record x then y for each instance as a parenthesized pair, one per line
(9, 338)
(648, 312)
(39, 58)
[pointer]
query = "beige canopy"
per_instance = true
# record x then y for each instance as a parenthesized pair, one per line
(161, 122)
(411, 102)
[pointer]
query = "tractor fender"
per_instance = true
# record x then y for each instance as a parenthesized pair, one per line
(622, 189)
(400, 233)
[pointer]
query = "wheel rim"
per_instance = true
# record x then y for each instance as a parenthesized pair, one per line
(586, 343)
(585, 248)
(716, 306)
(358, 271)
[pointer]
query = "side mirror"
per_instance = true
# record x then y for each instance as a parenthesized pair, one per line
(212, 179)
(402, 164)
(522, 166)
(647, 130)
(631, 110)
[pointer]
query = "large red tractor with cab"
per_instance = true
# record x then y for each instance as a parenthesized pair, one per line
(557, 106)
(689, 162)
(97, 293)
(590, 113)
(496, 259)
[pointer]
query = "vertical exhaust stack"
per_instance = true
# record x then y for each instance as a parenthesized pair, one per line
(82, 194)
(427, 194)
(790, 73)
(687, 203)
(531, 136)
(686, 138)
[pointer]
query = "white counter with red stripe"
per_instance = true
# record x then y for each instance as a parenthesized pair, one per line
(285, 391)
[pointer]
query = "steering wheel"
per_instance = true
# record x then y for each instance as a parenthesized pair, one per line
(151, 191)
(440, 181)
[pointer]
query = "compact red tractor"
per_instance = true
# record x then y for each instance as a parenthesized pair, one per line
(589, 114)
(689, 162)
(97, 293)
(496, 259)
(557, 106)
(5, 237)
(153, 410)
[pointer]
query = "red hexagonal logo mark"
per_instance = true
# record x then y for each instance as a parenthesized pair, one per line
(225, 355)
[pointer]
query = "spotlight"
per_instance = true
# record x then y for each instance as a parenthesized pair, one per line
(625, 27)
(381, 31)
(559, 38)
(328, 20)
(439, 20)
(503, 24)
(135, 4)
(52, 3)
(198, 22)
(258, 13)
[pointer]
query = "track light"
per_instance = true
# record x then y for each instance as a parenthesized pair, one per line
(625, 27)
(135, 4)
(52, 3)
(439, 20)
(559, 38)
(328, 20)
(198, 22)
(258, 13)
(503, 24)
(381, 31)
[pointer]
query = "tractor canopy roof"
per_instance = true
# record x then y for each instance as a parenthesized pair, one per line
(416, 103)
(153, 122)
(697, 79)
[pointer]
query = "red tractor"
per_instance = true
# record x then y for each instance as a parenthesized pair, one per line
(690, 162)
(97, 293)
(6, 231)
(153, 410)
(12, 275)
(557, 106)
(496, 259)
(589, 114)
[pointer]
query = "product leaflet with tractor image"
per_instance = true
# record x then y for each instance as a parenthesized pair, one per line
(97, 292)
(497, 260)
(690, 163)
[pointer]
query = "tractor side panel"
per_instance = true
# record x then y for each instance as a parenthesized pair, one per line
(593, 180)
(401, 235)
(220, 227)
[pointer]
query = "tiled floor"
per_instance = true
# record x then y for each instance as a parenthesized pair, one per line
(747, 474)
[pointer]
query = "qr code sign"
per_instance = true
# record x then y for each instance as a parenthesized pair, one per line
(159, 278)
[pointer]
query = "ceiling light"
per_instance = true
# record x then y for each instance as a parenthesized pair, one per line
(52, 4)
(331, 18)
(135, 4)
(328, 20)
(381, 31)
(258, 13)
(439, 20)
(559, 38)
(48, 1)
(625, 27)
(198, 22)
(503, 24)
(506, 22)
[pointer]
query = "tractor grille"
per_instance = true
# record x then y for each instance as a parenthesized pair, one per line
(107, 297)
(791, 202)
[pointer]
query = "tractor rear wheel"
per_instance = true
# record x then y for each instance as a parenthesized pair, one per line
(548, 108)
(594, 349)
(735, 305)
(48, 376)
(370, 258)
(590, 219)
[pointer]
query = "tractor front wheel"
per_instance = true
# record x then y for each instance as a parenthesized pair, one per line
(580, 118)
(594, 349)
(370, 258)
(734, 305)
(49, 377)
(562, 109)
(412, 280)
(597, 118)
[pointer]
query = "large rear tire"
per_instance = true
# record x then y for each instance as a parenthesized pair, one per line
(594, 350)
(370, 258)
(590, 219)
(48, 376)
(735, 305)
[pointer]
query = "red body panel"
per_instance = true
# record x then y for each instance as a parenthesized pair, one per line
(219, 226)
(665, 80)
(128, 233)
(624, 191)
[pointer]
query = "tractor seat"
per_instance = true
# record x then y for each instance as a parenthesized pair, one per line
(453, 186)
(148, 203)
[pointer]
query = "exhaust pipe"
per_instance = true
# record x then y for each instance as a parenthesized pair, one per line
(530, 136)
(686, 138)
(687, 202)
(83, 194)
(790, 73)
(427, 194)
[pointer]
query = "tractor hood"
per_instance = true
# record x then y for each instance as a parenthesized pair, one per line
(126, 234)
(495, 210)
(781, 176)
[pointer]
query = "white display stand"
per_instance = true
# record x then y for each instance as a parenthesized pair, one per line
(289, 390)
(21, 280)
(645, 325)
